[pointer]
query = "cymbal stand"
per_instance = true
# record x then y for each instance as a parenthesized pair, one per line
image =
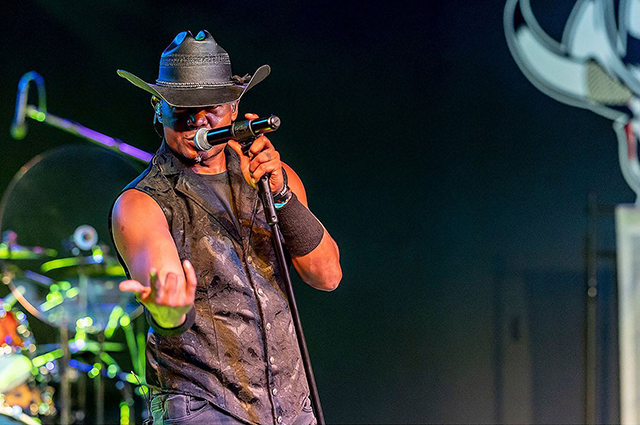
(65, 378)
(39, 113)
(99, 382)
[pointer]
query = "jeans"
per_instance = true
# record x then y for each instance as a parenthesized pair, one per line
(178, 409)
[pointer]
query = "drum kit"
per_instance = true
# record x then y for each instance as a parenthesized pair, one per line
(65, 327)
(64, 324)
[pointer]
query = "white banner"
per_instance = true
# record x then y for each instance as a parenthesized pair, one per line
(628, 254)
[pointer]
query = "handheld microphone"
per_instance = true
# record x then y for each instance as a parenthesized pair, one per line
(241, 131)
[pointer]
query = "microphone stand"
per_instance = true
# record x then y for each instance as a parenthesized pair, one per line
(272, 219)
(40, 114)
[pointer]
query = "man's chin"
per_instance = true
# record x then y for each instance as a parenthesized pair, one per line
(192, 156)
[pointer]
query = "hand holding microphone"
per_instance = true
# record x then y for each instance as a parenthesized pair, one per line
(257, 157)
(260, 157)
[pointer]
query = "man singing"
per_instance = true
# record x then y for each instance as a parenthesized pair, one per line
(194, 240)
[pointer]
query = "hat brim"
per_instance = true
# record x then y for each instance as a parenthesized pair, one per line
(192, 97)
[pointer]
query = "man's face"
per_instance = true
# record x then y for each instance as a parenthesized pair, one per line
(180, 126)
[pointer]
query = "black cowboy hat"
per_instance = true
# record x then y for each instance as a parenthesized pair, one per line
(195, 72)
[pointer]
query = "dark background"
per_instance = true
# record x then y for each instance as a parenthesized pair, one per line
(442, 173)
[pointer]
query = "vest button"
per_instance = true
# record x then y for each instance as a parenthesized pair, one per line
(260, 291)
(268, 326)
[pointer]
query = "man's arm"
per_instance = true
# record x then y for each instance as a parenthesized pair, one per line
(319, 268)
(142, 237)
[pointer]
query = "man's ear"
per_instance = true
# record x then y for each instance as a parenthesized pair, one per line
(235, 106)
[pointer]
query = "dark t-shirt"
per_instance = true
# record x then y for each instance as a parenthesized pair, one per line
(216, 187)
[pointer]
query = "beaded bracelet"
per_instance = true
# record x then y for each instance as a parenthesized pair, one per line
(278, 197)
(281, 203)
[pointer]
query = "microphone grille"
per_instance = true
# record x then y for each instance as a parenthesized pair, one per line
(200, 140)
(274, 122)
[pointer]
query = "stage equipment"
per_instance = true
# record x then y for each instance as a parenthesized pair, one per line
(68, 211)
(16, 347)
(240, 131)
(596, 66)
(40, 114)
(10, 250)
(21, 389)
(11, 415)
(73, 284)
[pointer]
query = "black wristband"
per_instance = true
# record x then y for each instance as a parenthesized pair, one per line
(188, 322)
(301, 230)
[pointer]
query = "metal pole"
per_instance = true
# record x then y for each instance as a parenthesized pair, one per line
(99, 381)
(81, 408)
(590, 367)
(65, 378)
(88, 134)
(40, 114)
(272, 219)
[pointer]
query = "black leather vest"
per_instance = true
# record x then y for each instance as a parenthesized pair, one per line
(241, 354)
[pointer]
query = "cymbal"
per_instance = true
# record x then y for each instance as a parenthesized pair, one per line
(18, 252)
(91, 303)
(82, 345)
(78, 287)
(93, 265)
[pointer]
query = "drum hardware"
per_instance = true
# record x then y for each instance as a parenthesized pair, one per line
(82, 346)
(22, 386)
(10, 250)
(75, 293)
(85, 237)
(96, 264)
(25, 252)
(62, 358)
(58, 358)
(40, 114)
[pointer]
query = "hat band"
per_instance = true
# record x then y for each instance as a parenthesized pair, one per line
(194, 60)
(193, 85)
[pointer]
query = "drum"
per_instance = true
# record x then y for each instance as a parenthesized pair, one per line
(15, 369)
(61, 200)
(31, 399)
(16, 344)
(14, 329)
(19, 391)
(14, 416)
(58, 260)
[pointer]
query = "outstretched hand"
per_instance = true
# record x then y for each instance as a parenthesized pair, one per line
(262, 158)
(168, 298)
